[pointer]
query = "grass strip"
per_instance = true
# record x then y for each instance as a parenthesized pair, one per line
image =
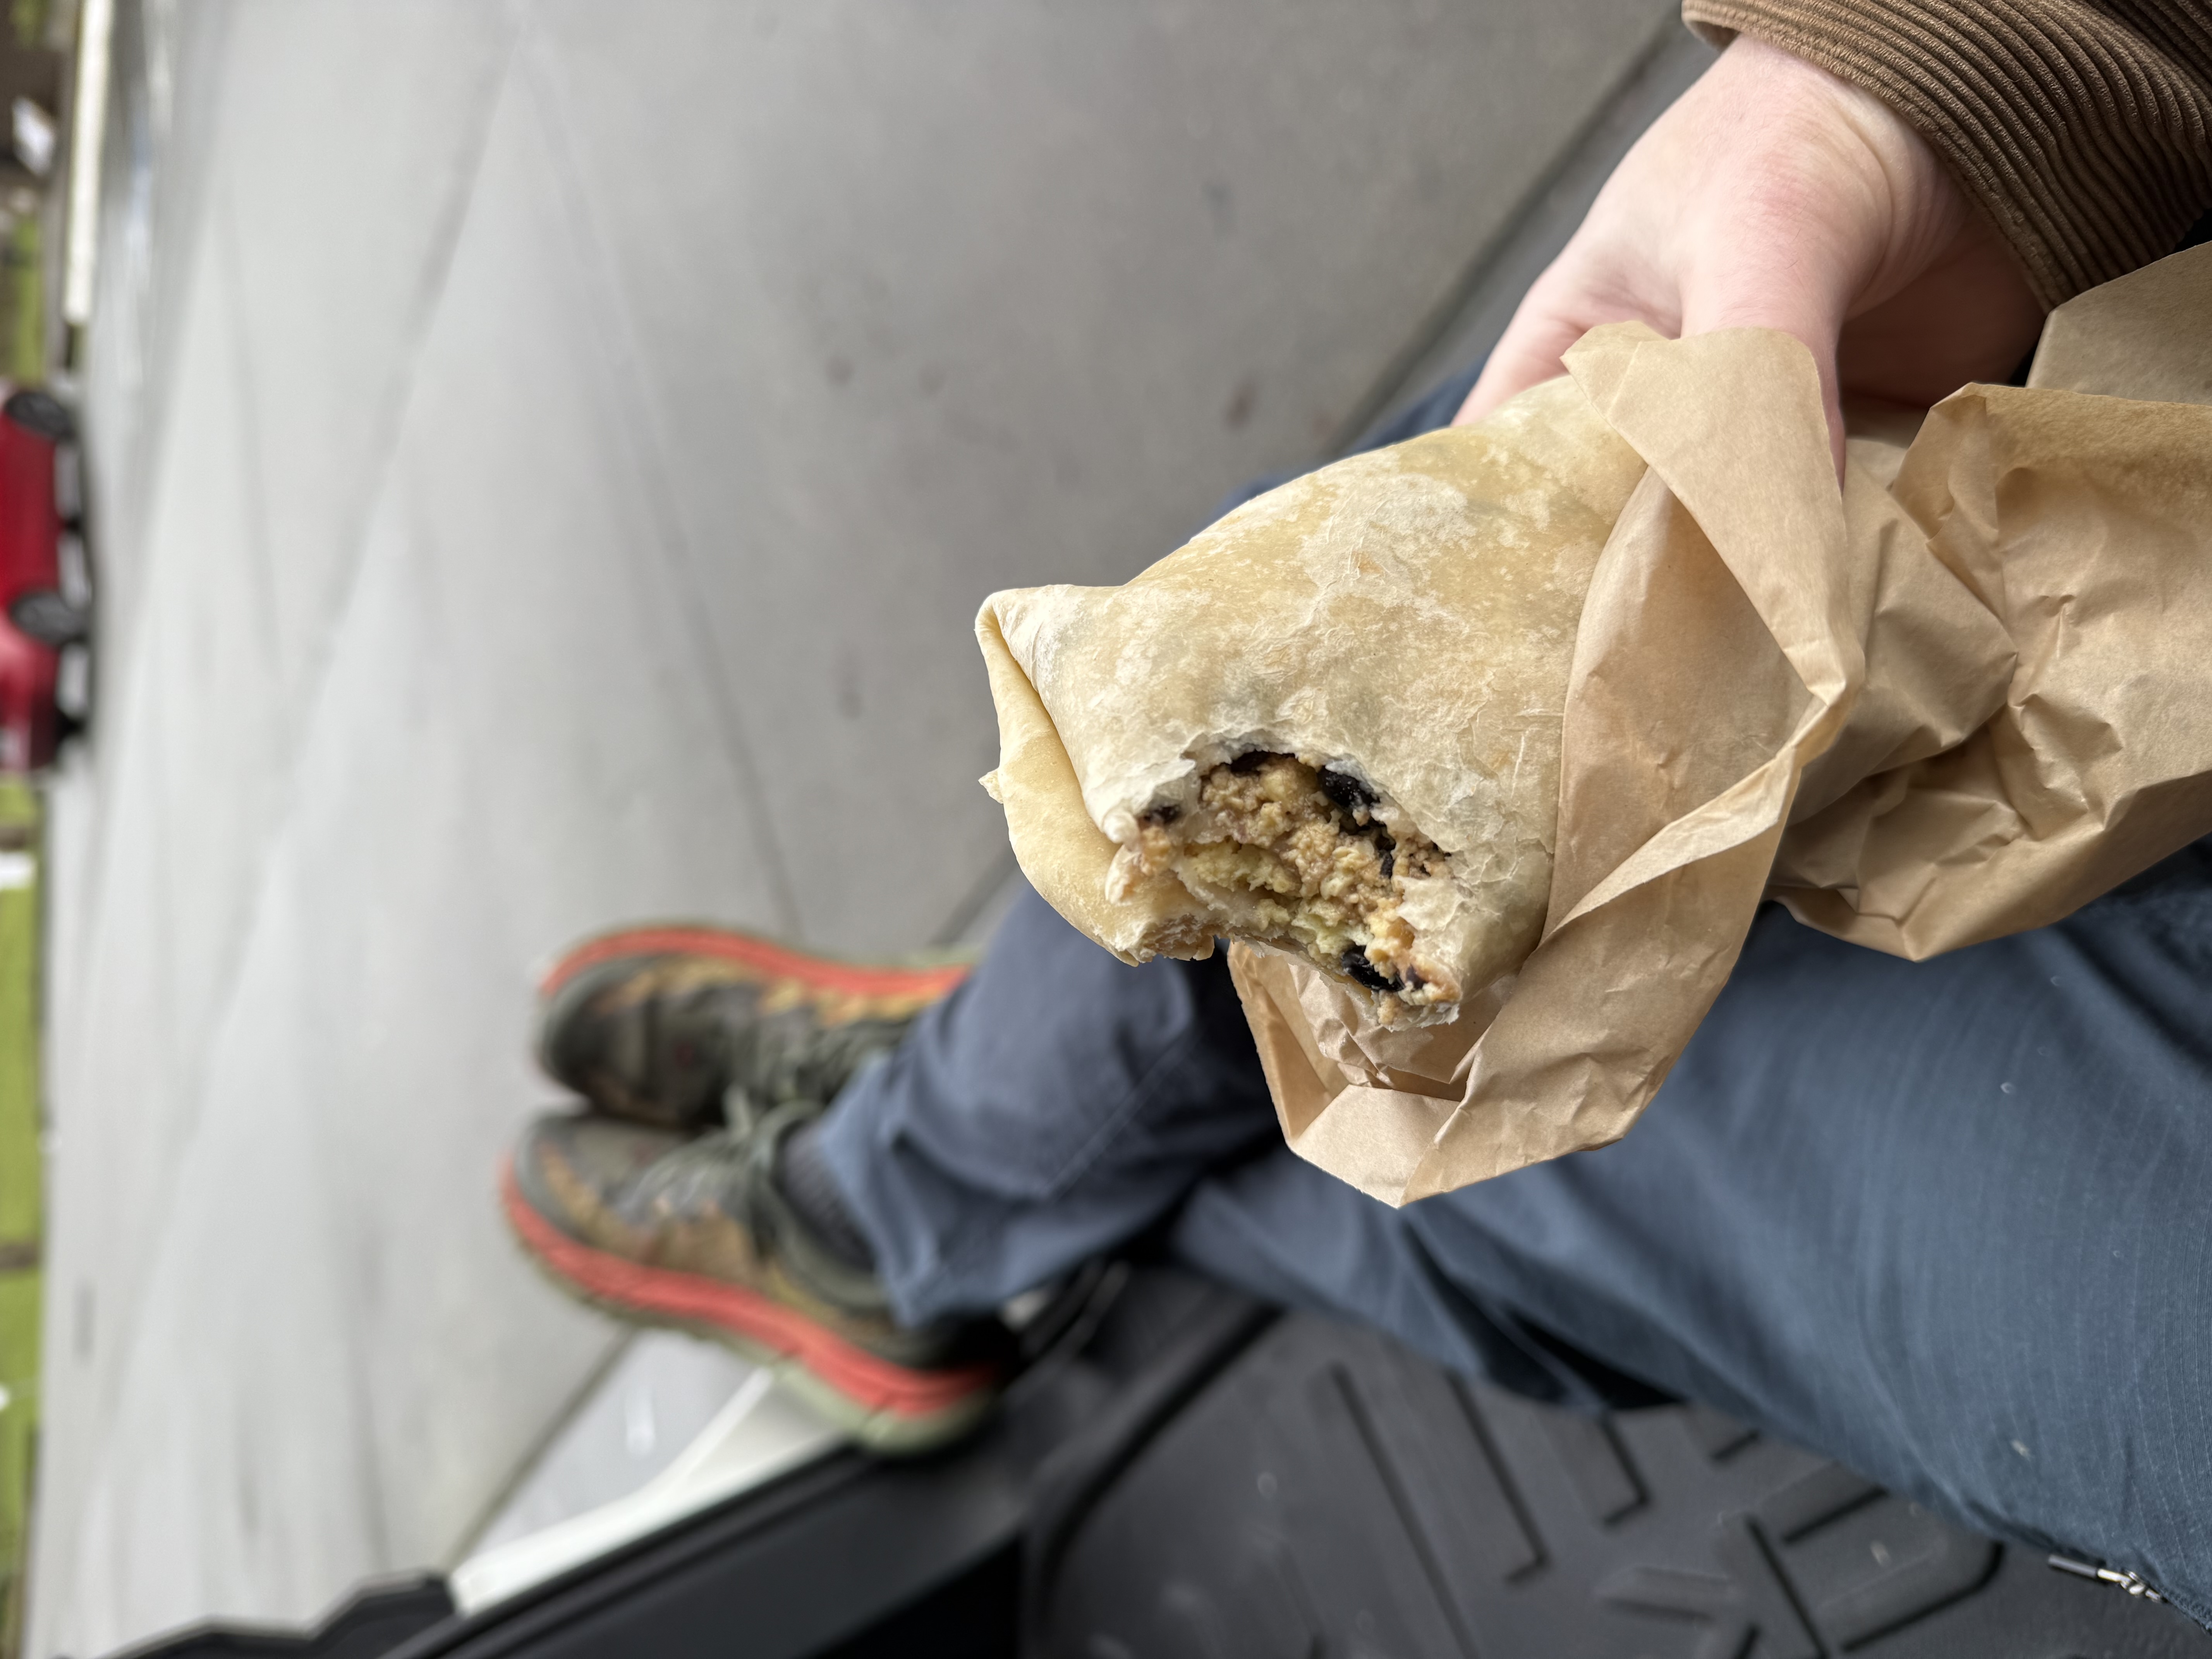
(20, 1171)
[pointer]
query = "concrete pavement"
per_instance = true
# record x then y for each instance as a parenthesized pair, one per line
(548, 456)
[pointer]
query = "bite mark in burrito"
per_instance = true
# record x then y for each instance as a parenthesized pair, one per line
(1298, 855)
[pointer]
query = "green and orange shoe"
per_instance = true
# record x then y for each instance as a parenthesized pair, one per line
(694, 1231)
(658, 1024)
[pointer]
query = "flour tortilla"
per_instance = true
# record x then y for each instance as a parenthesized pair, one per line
(1406, 615)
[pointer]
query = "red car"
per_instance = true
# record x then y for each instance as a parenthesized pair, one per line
(44, 610)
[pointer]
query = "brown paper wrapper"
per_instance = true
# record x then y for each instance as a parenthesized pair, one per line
(1957, 698)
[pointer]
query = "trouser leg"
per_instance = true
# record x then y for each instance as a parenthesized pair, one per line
(1946, 1222)
(1059, 1103)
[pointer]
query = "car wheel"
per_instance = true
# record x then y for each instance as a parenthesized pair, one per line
(49, 618)
(43, 413)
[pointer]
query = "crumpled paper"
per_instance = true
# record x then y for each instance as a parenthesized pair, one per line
(1958, 697)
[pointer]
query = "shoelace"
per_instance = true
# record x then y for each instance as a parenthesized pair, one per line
(783, 1058)
(724, 1170)
(706, 1171)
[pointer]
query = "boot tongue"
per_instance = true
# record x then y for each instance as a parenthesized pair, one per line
(705, 1173)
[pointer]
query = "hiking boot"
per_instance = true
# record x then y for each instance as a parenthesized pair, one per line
(695, 1231)
(658, 1024)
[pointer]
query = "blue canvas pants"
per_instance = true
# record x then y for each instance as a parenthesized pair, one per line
(1949, 1222)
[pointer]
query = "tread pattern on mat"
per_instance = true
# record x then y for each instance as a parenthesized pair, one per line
(1330, 1494)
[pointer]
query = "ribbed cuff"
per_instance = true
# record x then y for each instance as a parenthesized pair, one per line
(2085, 134)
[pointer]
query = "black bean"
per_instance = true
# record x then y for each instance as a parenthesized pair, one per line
(1251, 760)
(1354, 962)
(1390, 855)
(1348, 793)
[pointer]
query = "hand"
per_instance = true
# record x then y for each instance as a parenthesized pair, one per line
(1772, 194)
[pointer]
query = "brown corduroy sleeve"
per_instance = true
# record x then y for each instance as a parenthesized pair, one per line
(2084, 130)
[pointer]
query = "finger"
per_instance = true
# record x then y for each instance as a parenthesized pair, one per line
(1534, 347)
(1528, 353)
(1597, 278)
(1807, 309)
(1971, 316)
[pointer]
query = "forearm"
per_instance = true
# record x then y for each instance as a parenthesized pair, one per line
(2084, 132)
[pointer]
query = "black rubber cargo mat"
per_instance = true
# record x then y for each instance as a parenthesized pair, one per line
(1326, 1493)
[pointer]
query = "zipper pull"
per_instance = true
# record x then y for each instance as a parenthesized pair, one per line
(2132, 1582)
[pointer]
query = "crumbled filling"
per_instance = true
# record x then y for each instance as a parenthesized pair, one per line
(1317, 871)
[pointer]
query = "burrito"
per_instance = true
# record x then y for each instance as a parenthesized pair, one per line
(1329, 725)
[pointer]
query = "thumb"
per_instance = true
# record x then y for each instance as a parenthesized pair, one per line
(1532, 348)
(1802, 299)
(1795, 302)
